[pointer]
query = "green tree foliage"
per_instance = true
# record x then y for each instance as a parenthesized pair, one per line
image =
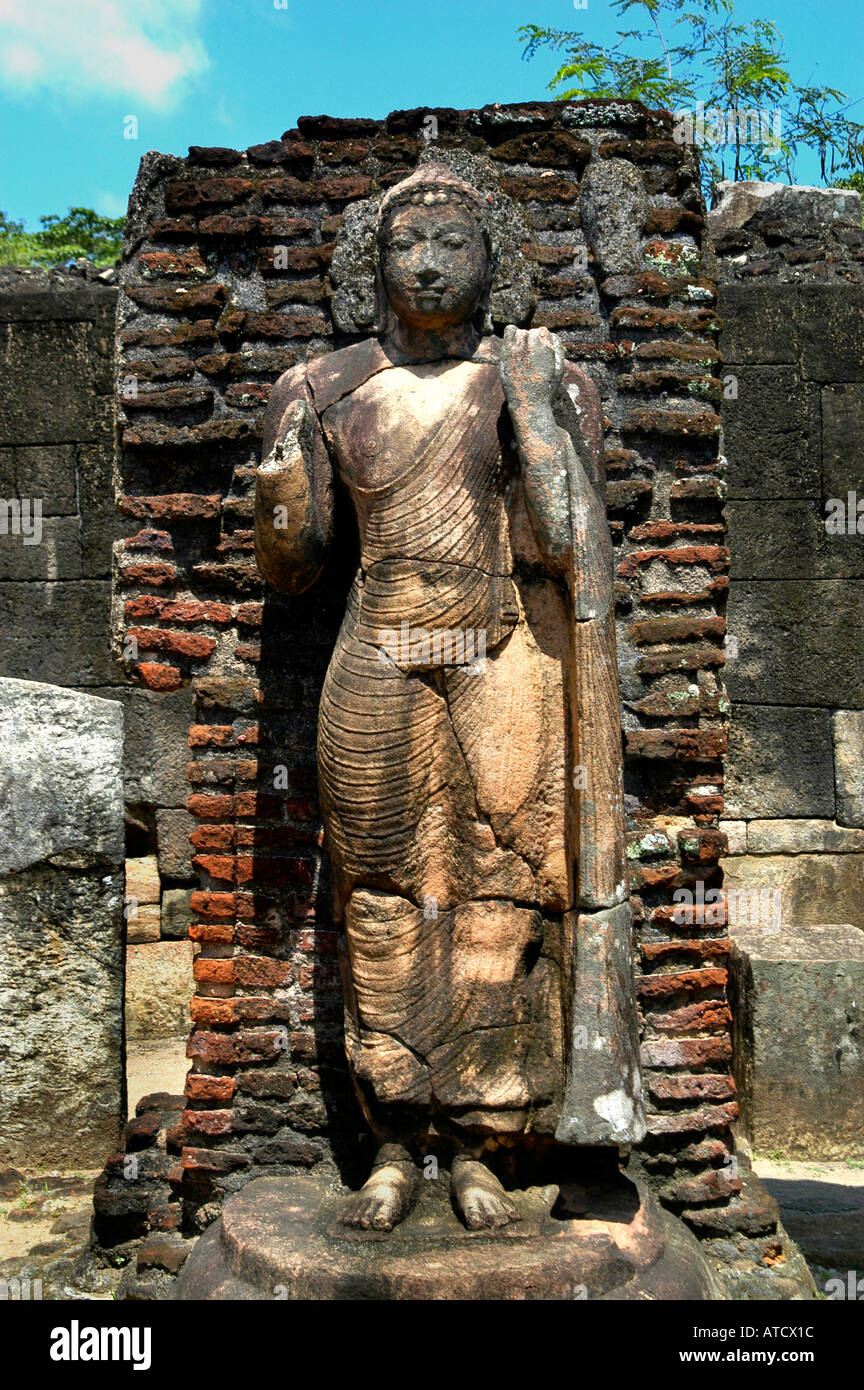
(728, 83)
(82, 233)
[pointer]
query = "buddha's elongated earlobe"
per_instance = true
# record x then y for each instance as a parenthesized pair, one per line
(385, 319)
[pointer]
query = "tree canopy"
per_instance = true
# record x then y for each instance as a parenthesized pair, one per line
(730, 79)
(82, 233)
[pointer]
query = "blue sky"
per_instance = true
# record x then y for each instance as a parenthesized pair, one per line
(238, 72)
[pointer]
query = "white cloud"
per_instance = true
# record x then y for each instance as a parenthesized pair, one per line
(146, 52)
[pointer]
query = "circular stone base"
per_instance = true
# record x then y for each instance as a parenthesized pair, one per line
(280, 1238)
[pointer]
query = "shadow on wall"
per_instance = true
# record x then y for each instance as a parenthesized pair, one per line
(297, 639)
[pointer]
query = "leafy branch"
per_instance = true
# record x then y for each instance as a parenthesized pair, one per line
(745, 110)
(81, 234)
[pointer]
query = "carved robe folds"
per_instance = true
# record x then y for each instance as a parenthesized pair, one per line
(469, 753)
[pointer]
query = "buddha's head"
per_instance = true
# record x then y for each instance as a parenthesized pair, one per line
(433, 249)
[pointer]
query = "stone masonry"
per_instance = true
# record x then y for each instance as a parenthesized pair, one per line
(61, 926)
(790, 262)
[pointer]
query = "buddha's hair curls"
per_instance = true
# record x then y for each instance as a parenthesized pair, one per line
(429, 185)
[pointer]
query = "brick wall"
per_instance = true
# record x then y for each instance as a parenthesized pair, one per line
(225, 284)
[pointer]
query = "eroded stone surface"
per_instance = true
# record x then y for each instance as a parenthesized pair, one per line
(799, 1060)
(802, 837)
(158, 988)
(59, 777)
(848, 729)
(613, 205)
(61, 925)
(794, 889)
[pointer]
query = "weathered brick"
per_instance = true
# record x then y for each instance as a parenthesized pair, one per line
(672, 422)
(250, 614)
(643, 151)
(220, 933)
(223, 431)
(210, 1122)
(213, 1160)
(544, 188)
(158, 677)
(703, 949)
(659, 987)
(218, 1089)
(184, 194)
(697, 1086)
(153, 575)
(262, 973)
(211, 735)
(199, 331)
(177, 611)
(167, 368)
(180, 299)
(675, 629)
(188, 644)
(699, 489)
(172, 229)
(702, 744)
(557, 149)
(157, 264)
(208, 904)
(647, 317)
(714, 557)
(667, 220)
(706, 1117)
(702, 846)
(248, 395)
(170, 398)
(218, 971)
(176, 506)
(213, 836)
(686, 1052)
(273, 259)
(710, 1186)
(226, 224)
(707, 1016)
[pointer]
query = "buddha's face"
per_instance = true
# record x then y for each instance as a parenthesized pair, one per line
(434, 265)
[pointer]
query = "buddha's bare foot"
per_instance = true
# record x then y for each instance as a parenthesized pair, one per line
(386, 1197)
(480, 1198)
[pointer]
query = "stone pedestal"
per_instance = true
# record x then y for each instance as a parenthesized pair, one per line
(280, 1238)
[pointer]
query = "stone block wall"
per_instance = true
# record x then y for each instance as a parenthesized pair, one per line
(225, 284)
(790, 262)
(57, 449)
(62, 1101)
